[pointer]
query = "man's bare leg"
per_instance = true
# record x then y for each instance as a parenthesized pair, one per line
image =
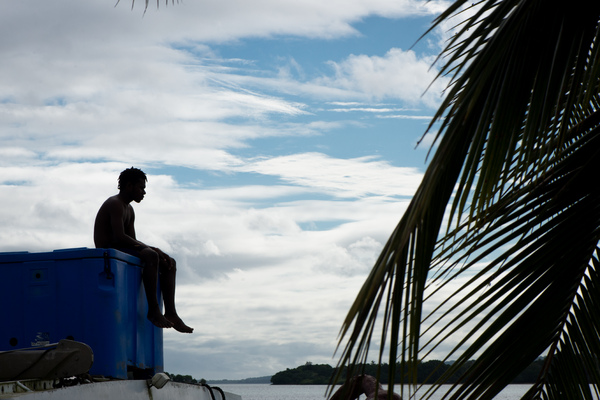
(150, 278)
(167, 285)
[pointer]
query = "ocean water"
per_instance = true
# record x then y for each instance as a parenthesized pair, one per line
(317, 392)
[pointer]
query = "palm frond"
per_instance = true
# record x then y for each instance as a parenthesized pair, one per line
(148, 2)
(511, 186)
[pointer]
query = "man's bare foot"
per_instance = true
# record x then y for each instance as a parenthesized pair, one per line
(159, 320)
(178, 324)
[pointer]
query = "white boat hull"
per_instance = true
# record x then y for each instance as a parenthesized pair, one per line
(121, 390)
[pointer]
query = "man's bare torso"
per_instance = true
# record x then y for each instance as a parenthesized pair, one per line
(111, 212)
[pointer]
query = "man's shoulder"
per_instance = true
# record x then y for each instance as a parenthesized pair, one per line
(113, 203)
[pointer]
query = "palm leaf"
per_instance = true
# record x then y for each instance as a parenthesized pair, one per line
(510, 186)
(147, 3)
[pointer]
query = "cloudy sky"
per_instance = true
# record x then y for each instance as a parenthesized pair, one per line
(279, 137)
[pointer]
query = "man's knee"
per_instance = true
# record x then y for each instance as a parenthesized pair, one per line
(170, 264)
(149, 256)
(166, 265)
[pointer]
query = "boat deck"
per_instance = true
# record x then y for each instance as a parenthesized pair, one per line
(111, 390)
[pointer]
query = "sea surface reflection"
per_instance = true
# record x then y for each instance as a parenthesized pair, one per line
(318, 392)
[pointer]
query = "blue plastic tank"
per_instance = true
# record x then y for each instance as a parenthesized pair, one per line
(94, 296)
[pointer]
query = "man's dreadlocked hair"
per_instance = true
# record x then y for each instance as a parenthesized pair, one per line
(131, 175)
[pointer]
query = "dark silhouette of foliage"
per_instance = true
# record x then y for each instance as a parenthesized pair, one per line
(182, 378)
(506, 221)
(307, 374)
(427, 373)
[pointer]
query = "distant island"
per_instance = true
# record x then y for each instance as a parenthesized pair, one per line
(192, 380)
(320, 374)
(428, 371)
(260, 379)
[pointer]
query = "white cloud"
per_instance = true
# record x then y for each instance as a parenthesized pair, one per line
(100, 22)
(398, 75)
(270, 306)
(344, 178)
(353, 260)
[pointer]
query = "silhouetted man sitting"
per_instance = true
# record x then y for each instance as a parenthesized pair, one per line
(114, 228)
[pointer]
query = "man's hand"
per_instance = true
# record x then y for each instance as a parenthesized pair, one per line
(164, 258)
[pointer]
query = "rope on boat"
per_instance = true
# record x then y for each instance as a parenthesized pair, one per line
(17, 376)
(218, 389)
(210, 390)
(212, 395)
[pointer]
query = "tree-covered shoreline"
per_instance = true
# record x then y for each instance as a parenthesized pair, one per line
(428, 372)
(320, 374)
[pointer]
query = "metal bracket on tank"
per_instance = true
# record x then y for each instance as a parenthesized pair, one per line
(107, 271)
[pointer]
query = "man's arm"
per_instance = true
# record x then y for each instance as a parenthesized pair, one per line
(121, 223)
(129, 224)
